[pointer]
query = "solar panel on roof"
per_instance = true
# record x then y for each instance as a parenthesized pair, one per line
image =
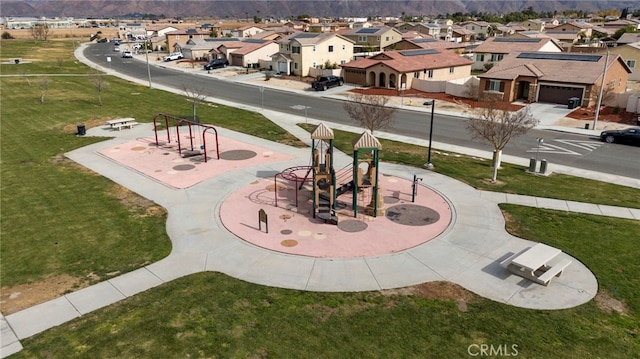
(304, 35)
(418, 52)
(369, 30)
(515, 39)
(559, 56)
(419, 41)
(255, 41)
(218, 39)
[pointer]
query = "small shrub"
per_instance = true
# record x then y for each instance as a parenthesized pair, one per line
(616, 110)
(7, 36)
(268, 75)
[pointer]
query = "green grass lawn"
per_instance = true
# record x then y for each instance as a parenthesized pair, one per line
(60, 219)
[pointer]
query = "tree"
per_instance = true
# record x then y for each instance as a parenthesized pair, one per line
(623, 30)
(98, 82)
(196, 95)
(370, 111)
(7, 36)
(497, 125)
(43, 85)
(40, 31)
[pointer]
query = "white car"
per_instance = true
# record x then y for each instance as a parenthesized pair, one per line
(173, 56)
(127, 54)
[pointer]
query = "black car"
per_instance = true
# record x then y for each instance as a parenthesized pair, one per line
(630, 136)
(216, 64)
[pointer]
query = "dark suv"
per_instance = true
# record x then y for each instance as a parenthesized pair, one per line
(216, 64)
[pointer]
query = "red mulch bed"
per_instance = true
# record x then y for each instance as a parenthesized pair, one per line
(440, 96)
(607, 113)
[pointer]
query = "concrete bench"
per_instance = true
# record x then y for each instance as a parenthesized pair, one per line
(505, 263)
(554, 271)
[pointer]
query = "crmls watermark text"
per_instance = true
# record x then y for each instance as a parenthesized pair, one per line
(490, 350)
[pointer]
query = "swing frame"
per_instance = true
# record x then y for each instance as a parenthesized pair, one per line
(169, 123)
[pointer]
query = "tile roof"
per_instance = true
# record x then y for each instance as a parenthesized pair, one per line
(505, 45)
(570, 69)
(401, 61)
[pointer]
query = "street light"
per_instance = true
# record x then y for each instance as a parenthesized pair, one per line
(431, 103)
(146, 55)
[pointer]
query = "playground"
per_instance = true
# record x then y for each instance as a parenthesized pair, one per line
(311, 210)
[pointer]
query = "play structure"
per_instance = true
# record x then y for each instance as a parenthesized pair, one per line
(195, 134)
(360, 180)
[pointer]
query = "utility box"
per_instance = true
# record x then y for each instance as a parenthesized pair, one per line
(573, 102)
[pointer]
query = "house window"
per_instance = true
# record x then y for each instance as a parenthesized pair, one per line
(295, 49)
(288, 47)
(494, 85)
(480, 57)
(177, 37)
(631, 63)
(314, 49)
(295, 65)
(344, 47)
(314, 64)
(416, 75)
(496, 57)
(386, 38)
(342, 62)
(430, 74)
(330, 48)
(362, 39)
(451, 69)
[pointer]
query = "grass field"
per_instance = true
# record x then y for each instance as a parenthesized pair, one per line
(60, 220)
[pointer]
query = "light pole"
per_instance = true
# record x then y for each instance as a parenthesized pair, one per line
(431, 103)
(146, 55)
(540, 140)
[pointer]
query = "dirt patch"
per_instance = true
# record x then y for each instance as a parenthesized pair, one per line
(607, 114)
(19, 297)
(609, 304)
(441, 290)
(136, 203)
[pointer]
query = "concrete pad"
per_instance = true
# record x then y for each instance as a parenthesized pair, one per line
(280, 270)
(9, 343)
(521, 200)
(400, 270)
(613, 211)
(446, 259)
(348, 275)
(476, 239)
(135, 282)
(178, 265)
(41, 317)
(581, 207)
(94, 297)
(635, 213)
(550, 203)
(496, 197)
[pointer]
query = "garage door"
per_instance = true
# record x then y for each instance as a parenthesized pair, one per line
(558, 94)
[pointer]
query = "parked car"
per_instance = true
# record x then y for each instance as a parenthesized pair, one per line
(216, 64)
(127, 54)
(630, 136)
(325, 82)
(103, 40)
(116, 48)
(173, 56)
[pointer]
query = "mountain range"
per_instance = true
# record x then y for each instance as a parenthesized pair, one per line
(285, 8)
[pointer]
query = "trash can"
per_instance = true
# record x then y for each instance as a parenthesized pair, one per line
(82, 130)
(573, 102)
(586, 126)
(543, 166)
(533, 163)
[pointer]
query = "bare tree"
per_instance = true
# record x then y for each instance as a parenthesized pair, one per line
(40, 31)
(24, 72)
(607, 93)
(60, 62)
(43, 85)
(99, 83)
(196, 95)
(497, 125)
(370, 111)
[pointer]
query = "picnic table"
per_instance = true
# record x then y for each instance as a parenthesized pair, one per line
(537, 263)
(118, 124)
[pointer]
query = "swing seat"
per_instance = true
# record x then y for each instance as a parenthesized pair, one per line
(193, 153)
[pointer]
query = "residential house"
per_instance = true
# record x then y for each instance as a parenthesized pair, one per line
(172, 38)
(244, 31)
(248, 52)
(582, 29)
(322, 27)
(300, 52)
(359, 25)
(156, 35)
(630, 53)
(554, 77)
(628, 38)
(443, 22)
(499, 30)
(533, 25)
(425, 43)
(133, 30)
(372, 39)
(494, 49)
(296, 25)
(398, 69)
(460, 34)
(478, 27)
(422, 28)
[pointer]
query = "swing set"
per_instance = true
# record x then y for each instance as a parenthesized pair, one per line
(196, 131)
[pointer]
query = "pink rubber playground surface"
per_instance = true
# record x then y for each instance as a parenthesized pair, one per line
(292, 229)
